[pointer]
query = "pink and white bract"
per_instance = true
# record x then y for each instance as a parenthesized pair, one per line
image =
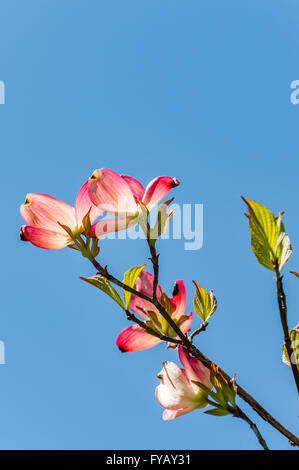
(122, 196)
(177, 392)
(135, 338)
(45, 216)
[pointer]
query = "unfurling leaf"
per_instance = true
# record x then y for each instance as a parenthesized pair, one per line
(205, 303)
(67, 229)
(286, 250)
(95, 249)
(294, 337)
(130, 278)
(295, 274)
(87, 224)
(225, 393)
(166, 302)
(218, 412)
(162, 221)
(74, 247)
(283, 248)
(143, 219)
(206, 389)
(269, 242)
(104, 285)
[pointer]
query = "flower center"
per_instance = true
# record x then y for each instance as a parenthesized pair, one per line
(28, 200)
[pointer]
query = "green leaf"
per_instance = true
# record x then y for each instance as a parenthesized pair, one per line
(104, 285)
(162, 221)
(225, 389)
(130, 278)
(218, 412)
(217, 396)
(205, 303)
(229, 394)
(269, 242)
(220, 397)
(264, 233)
(205, 389)
(294, 337)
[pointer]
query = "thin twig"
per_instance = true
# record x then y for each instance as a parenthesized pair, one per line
(281, 298)
(202, 327)
(148, 329)
(242, 415)
(238, 413)
(155, 261)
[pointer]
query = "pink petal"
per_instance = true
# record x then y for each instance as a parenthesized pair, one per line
(173, 377)
(174, 391)
(195, 370)
(179, 299)
(83, 204)
(134, 338)
(43, 211)
(111, 193)
(144, 285)
(44, 238)
(185, 327)
(109, 226)
(135, 186)
(157, 189)
(172, 414)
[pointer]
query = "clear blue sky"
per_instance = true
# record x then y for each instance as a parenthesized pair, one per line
(197, 90)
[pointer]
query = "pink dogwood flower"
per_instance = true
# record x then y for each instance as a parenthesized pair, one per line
(135, 338)
(122, 196)
(46, 215)
(177, 392)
